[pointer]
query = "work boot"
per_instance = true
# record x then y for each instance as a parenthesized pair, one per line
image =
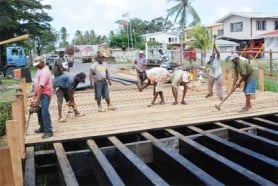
(40, 130)
(47, 135)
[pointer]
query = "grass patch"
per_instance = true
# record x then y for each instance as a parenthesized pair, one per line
(271, 85)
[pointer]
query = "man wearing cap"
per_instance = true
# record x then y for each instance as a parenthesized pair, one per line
(140, 64)
(65, 86)
(42, 93)
(248, 75)
(99, 80)
(158, 76)
(179, 78)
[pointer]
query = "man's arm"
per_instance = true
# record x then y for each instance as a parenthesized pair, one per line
(216, 51)
(108, 77)
(91, 78)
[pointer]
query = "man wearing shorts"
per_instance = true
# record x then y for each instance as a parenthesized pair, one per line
(179, 78)
(99, 80)
(248, 75)
(65, 86)
(158, 76)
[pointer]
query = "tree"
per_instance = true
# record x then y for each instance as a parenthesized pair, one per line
(64, 36)
(21, 17)
(180, 12)
(200, 40)
(44, 39)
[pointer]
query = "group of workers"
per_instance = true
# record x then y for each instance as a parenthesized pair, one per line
(65, 84)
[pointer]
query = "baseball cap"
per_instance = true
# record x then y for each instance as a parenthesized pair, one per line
(234, 56)
(82, 76)
(141, 52)
(38, 60)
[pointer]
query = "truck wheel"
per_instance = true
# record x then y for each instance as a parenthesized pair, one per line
(9, 73)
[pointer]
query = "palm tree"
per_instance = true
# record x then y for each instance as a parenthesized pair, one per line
(180, 11)
(200, 40)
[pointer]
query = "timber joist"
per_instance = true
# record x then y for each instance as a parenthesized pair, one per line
(240, 151)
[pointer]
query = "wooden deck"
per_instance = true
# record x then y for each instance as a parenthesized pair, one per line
(133, 115)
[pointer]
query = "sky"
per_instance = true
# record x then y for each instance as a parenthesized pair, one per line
(101, 15)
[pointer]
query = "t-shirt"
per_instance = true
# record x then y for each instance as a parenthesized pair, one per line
(244, 68)
(178, 77)
(157, 74)
(43, 78)
(65, 81)
(215, 68)
(99, 71)
(141, 62)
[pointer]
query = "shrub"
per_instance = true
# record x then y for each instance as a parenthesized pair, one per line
(5, 114)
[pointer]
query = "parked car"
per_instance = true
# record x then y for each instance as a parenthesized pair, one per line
(50, 60)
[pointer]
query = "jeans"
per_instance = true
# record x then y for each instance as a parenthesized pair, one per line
(44, 115)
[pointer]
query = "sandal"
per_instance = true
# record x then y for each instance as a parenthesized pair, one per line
(150, 105)
(62, 120)
(183, 103)
(79, 115)
(243, 110)
(175, 103)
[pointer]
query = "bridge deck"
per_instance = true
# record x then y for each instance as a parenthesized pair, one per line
(133, 115)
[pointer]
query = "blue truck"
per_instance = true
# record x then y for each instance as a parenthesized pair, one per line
(12, 57)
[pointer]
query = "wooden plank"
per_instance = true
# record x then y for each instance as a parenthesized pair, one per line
(13, 131)
(6, 170)
(105, 173)
(30, 172)
(181, 165)
(64, 164)
(144, 170)
(240, 174)
(19, 115)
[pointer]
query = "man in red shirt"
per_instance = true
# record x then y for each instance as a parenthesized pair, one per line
(43, 92)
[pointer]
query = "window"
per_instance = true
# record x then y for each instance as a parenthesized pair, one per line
(236, 27)
(261, 25)
(275, 25)
(220, 32)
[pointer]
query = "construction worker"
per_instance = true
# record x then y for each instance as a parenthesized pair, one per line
(158, 76)
(248, 75)
(42, 96)
(140, 64)
(179, 78)
(65, 86)
(99, 80)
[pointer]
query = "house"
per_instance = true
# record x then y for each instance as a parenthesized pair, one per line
(245, 27)
(164, 38)
(212, 29)
(270, 42)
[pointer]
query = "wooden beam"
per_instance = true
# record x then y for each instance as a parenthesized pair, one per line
(261, 79)
(65, 166)
(206, 158)
(104, 171)
(144, 172)
(6, 170)
(187, 173)
(30, 171)
(13, 131)
(18, 114)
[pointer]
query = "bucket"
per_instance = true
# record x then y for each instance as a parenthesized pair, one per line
(17, 73)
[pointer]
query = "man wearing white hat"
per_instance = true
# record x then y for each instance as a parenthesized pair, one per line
(140, 64)
(248, 75)
(43, 92)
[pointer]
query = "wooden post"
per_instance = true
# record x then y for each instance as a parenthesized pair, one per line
(270, 62)
(24, 92)
(261, 79)
(13, 129)
(19, 115)
(6, 170)
(229, 81)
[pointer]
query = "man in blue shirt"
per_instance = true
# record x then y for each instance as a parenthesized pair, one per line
(65, 86)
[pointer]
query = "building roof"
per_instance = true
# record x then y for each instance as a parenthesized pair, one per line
(269, 34)
(156, 33)
(248, 15)
(222, 42)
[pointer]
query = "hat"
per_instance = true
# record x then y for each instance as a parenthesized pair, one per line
(38, 60)
(82, 76)
(234, 56)
(141, 52)
(100, 54)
